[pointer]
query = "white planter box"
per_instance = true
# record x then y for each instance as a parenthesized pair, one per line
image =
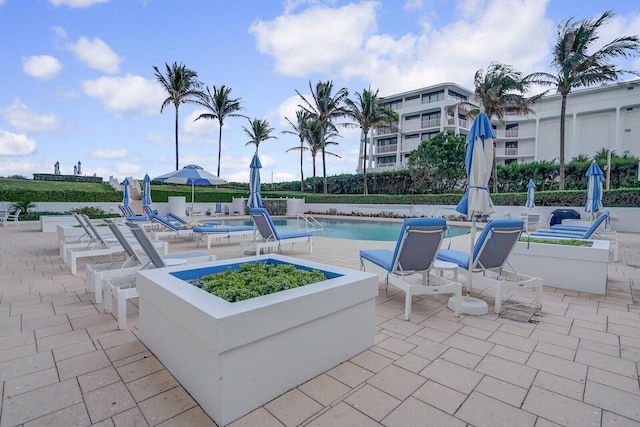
(575, 268)
(235, 357)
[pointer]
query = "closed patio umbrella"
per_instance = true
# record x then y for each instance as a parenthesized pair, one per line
(594, 189)
(126, 200)
(255, 201)
(146, 191)
(476, 201)
(531, 192)
(193, 175)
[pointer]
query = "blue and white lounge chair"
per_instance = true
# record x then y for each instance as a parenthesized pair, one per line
(269, 235)
(599, 230)
(213, 232)
(130, 215)
(415, 253)
(490, 255)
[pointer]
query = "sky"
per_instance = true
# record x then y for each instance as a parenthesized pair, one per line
(79, 83)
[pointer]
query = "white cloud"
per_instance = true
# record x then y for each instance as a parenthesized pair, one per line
(12, 144)
(201, 127)
(155, 138)
(129, 94)
(77, 3)
(96, 54)
(109, 154)
(128, 169)
(44, 67)
(28, 121)
(335, 34)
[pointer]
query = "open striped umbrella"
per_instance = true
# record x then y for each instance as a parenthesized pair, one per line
(193, 175)
(594, 189)
(531, 192)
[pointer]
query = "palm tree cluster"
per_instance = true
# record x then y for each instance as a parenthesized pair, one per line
(499, 90)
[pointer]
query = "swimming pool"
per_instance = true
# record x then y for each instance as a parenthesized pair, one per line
(349, 229)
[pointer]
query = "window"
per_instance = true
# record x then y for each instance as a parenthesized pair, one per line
(386, 160)
(412, 97)
(511, 130)
(511, 144)
(412, 136)
(431, 119)
(433, 97)
(387, 141)
(428, 135)
(394, 105)
(412, 117)
(457, 95)
(509, 161)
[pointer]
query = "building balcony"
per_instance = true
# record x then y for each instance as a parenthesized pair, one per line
(385, 130)
(386, 149)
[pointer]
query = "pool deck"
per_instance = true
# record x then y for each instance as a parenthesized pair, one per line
(63, 362)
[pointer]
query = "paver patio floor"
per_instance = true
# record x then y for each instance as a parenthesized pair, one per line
(63, 361)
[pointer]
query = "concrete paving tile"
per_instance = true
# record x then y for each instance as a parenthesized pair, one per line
(293, 407)
(345, 415)
(81, 364)
(166, 405)
(324, 389)
(38, 308)
(401, 327)
(509, 353)
(194, 417)
(133, 358)
(39, 402)
(560, 409)
(606, 362)
(462, 358)
(97, 379)
(53, 330)
(541, 422)
(484, 322)
(427, 349)
(560, 385)
(396, 346)
(17, 340)
(17, 352)
(516, 328)
(28, 382)
(611, 350)
(396, 381)
(259, 417)
(151, 385)
(476, 346)
(478, 333)
(415, 413)
(433, 334)
(412, 362)
(107, 401)
(350, 374)
(139, 369)
(611, 379)
(556, 350)
(64, 339)
(26, 365)
(439, 396)
(451, 375)
(508, 371)
(601, 327)
(503, 391)
(481, 410)
(371, 361)
(610, 419)
(555, 365)
(117, 339)
(551, 337)
(602, 337)
(613, 400)
(630, 353)
(372, 402)
(72, 416)
(513, 341)
(442, 325)
(558, 329)
(627, 331)
(132, 418)
(74, 350)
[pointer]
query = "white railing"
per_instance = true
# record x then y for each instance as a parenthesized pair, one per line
(309, 223)
(430, 123)
(387, 148)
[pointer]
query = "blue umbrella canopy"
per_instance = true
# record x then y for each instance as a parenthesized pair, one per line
(191, 175)
(146, 190)
(531, 191)
(126, 200)
(255, 200)
(478, 162)
(594, 189)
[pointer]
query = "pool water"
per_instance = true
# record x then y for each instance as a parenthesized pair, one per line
(352, 230)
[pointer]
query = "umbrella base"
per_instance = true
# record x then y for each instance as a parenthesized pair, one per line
(470, 305)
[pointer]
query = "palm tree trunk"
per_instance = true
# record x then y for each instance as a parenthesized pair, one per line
(314, 173)
(301, 169)
(364, 164)
(324, 172)
(219, 147)
(563, 111)
(177, 107)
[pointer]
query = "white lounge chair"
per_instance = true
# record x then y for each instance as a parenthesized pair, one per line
(270, 236)
(490, 254)
(415, 254)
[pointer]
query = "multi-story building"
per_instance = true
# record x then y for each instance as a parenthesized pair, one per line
(606, 116)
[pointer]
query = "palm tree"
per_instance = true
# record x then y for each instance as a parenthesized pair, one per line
(220, 106)
(183, 87)
(259, 130)
(318, 140)
(368, 113)
(299, 129)
(325, 107)
(576, 66)
(500, 91)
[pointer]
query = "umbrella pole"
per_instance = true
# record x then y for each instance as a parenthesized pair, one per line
(192, 196)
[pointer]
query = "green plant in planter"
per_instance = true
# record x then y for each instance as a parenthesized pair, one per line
(256, 279)
(565, 242)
